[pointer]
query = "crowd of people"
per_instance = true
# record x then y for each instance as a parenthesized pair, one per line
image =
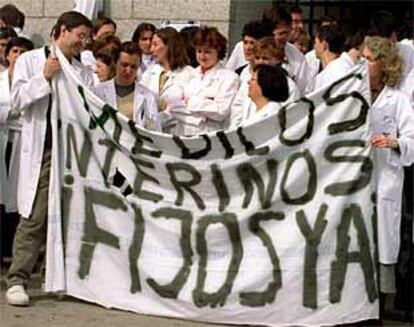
(179, 82)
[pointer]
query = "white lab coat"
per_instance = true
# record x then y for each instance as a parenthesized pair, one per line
(237, 58)
(297, 67)
(209, 98)
(391, 113)
(172, 91)
(409, 42)
(4, 112)
(145, 103)
(334, 70)
(30, 95)
(146, 62)
(314, 65)
(407, 86)
(243, 106)
(407, 54)
(10, 125)
(90, 8)
(268, 110)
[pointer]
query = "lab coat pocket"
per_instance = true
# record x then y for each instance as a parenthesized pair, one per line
(389, 126)
(388, 229)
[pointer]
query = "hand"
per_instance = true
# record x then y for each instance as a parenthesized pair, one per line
(383, 141)
(51, 67)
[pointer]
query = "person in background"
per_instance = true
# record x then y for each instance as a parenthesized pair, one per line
(187, 35)
(105, 64)
(280, 21)
(314, 64)
(11, 16)
(300, 39)
(329, 44)
(236, 58)
(31, 95)
(10, 121)
(125, 93)
(268, 88)
(352, 46)
(10, 131)
(265, 52)
(143, 38)
(6, 34)
(406, 34)
(252, 32)
(297, 19)
(212, 88)
(384, 24)
(106, 43)
(103, 29)
(392, 130)
(103, 25)
(168, 78)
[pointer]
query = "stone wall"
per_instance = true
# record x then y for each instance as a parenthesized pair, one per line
(228, 16)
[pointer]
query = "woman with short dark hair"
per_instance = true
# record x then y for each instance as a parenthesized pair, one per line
(268, 89)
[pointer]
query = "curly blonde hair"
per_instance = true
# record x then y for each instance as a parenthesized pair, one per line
(385, 51)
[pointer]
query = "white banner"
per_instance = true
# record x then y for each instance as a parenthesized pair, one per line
(268, 224)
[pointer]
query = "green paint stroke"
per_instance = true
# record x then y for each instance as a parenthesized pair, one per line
(135, 249)
(364, 179)
(313, 238)
(258, 299)
(92, 234)
(221, 187)
(249, 175)
(312, 180)
(218, 298)
(82, 158)
(180, 186)
(172, 289)
(141, 177)
(344, 257)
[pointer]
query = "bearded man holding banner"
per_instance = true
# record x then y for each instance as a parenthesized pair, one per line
(32, 95)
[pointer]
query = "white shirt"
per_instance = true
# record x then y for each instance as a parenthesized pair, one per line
(314, 65)
(407, 54)
(210, 95)
(10, 130)
(269, 109)
(391, 113)
(144, 106)
(407, 86)
(409, 42)
(90, 8)
(243, 106)
(237, 58)
(172, 92)
(296, 67)
(146, 62)
(334, 70)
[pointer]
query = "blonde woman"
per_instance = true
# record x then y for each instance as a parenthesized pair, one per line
(392, 128)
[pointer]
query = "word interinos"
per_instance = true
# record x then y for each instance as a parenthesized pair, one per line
(266, 224)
